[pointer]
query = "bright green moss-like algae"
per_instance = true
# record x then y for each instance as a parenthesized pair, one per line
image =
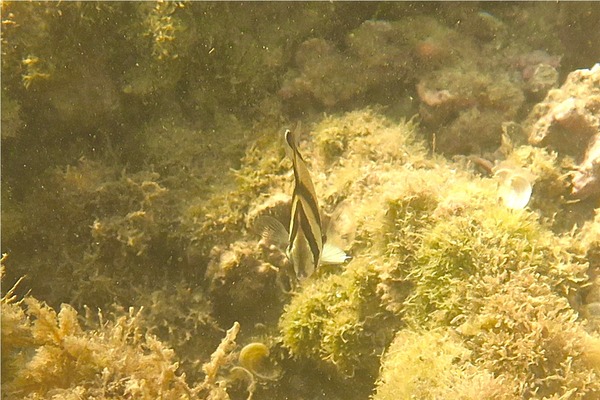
(339, 320)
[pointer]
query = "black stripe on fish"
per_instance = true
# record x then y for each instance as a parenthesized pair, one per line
(304, 251)
(306, 197)
(293, 224)
(314, 242)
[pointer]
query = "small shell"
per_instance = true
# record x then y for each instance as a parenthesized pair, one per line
(515, 192)
(515, 185)
(255, 358)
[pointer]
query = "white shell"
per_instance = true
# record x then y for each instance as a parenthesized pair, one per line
(514, 190)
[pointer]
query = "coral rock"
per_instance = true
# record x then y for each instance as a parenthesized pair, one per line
(568, 120)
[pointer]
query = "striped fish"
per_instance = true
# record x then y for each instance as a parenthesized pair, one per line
(306, 244)
(306, 237)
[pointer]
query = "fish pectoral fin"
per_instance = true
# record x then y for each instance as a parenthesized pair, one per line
(272, 231)
(333, 255)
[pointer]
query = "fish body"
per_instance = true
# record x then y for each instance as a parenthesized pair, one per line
(305, 232)
(305, 243)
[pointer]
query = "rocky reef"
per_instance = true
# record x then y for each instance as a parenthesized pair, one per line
(453, 149)
(446, 256)
(568, 121)
(467, 84)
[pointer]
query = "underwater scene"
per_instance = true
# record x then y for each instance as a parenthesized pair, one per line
(307, 200)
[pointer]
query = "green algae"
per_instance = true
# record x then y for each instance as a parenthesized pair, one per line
(431, 365)
(338, 319)
(477, 247)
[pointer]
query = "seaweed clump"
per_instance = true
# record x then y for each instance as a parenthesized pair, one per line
(461, 252)
(339, 320)
(48, 354)
(526, 342)
(433, 365)
(588, 241)
(528, 334)
(501, 279)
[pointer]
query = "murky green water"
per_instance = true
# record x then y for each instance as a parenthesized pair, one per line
(453, 149)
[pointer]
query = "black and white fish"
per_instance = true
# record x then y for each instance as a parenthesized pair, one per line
(306, 244)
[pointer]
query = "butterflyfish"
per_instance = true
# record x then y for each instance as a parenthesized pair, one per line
(307, 246)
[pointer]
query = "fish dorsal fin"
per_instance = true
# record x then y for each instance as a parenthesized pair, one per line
(302, 181)
(291, 144)
(303, 185)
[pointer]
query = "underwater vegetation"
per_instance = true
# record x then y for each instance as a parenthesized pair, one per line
(451, 150)
(432, 365)
(48, 354)
(445, 253)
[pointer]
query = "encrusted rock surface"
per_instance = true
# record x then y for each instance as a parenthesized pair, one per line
(568, 121)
